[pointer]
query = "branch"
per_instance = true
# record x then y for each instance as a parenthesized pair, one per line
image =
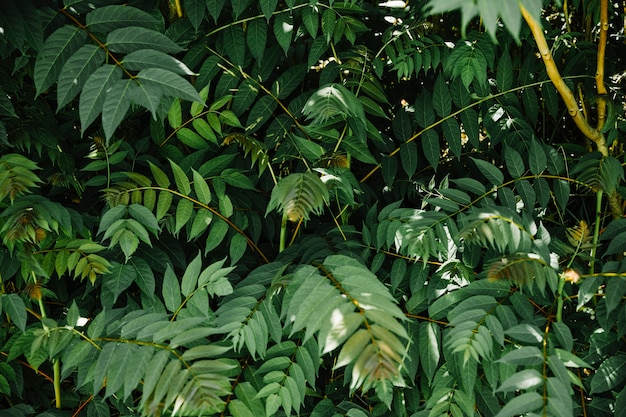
(600, 86)
(565, 92)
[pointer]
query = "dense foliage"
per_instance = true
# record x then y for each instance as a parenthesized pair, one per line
(249, 208)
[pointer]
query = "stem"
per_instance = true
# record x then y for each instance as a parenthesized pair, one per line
(559, 300)
(600, 86)
(566, 93)
(596, 229)
(56, 363)
(283, 234)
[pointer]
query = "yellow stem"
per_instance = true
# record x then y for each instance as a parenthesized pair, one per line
(566, 93)
(600, 86)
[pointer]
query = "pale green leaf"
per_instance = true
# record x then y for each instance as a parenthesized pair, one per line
(163, 204)
(523, 380)
(190, 277)
(182, 182)
(184, 211)
(521, 404)
(171, 290)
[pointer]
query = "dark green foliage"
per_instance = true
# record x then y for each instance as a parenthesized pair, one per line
(315, 208)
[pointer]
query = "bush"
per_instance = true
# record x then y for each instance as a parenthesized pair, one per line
(311, 207)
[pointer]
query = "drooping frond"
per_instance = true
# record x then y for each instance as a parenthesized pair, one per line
(524, 269)
(346, 305)
(580, 236)
(416, 233)
(16, 176)
(251, 147)
(498, 228)
(297, 195)
(599, 172)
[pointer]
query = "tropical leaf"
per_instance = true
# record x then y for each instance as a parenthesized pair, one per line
(297, 195)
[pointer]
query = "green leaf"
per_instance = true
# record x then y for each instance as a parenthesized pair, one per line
(551, 100)
(430, 348)
(328, 24)
(214, 8)
(523, 380)
(6, 107)
(190, 277)
(283, 30)
(537, 159)
(431, 147)
(115, 106)
(171, 290)
(310, 18)
(408, 157)
(216, 235)
(95, 91)
(14, 307)
(133, 374)
(184, 211)
(452, 134)
(118, 279)
(514, 162)
(402, 128)
(191, 138)
(143, 216)
(504, 74)
(76, 71)
(490, 171)
(235, 44)
(256, 38)
(171, 84)
(105, 360)
(609, 375)
(525, 355)
(268, 7)
(133, 38)
(182, 182)
(288, 81)
(150, 58)
(297, 195)
(58, 47)
(424, 114)
(195, 12)
(524, 403)
(441, 100)
(201, 187)
(108, 18)
(260, 113)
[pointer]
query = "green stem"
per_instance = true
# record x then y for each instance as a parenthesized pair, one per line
(283, 234)
(56, 363)
(559, 294)
(596, 230)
